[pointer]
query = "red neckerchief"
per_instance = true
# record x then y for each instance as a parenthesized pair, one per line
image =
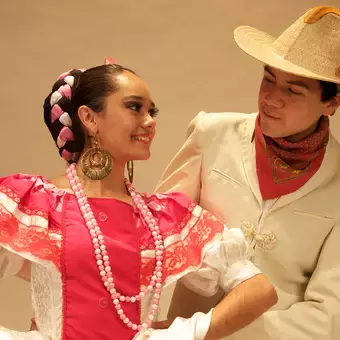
(283, 167)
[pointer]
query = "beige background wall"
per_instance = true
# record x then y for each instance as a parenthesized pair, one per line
(183, 49)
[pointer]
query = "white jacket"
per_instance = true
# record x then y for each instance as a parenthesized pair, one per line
(296, 237)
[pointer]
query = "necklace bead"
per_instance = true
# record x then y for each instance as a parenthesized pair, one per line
(103, 260)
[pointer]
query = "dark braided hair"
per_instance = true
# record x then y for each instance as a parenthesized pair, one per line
(72, 90)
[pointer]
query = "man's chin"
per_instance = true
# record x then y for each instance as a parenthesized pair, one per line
(272, 133)
(268, 130)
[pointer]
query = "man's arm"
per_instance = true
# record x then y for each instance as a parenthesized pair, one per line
(316, 318)
(183, 173)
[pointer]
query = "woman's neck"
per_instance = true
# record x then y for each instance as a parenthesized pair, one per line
(111, 186)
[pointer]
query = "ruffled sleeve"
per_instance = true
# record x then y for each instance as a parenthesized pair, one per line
(225, 264)
(201, 252)
(199, 248)
(25, 225)
(27, 231)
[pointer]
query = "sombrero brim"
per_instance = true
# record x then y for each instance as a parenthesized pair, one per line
(258, 44)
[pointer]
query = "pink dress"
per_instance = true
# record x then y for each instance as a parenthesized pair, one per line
(43, 224)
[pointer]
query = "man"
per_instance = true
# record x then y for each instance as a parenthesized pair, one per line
(274, 174)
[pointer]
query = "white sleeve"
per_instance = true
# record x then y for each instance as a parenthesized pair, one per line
(195, 328)
(7, 334)
(10, 263)
(225, 263)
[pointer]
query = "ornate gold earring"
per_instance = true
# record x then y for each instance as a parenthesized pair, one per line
(129, 167)
(96, 162)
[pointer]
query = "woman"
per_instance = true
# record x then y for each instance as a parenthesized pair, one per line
(101, 119)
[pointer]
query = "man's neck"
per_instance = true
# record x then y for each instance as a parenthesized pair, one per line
(302, 135)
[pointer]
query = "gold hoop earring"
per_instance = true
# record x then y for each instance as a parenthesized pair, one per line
(96, 163)
(129, 167)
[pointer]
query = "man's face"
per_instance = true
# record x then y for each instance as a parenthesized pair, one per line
(290, 105)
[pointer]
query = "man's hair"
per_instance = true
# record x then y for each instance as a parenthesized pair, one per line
(328, 90)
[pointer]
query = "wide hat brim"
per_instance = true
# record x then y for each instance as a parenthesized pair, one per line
(259, 45)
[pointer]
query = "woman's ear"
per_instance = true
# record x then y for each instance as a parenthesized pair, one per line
(88, 120)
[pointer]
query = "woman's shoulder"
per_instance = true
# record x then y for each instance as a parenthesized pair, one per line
(30, 208)
(169, 200)
(28, 190)
(181, 211)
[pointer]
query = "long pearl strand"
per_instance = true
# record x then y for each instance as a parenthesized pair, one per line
(102, 257)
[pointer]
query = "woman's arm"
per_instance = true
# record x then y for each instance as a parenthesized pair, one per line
(12, 264)
(249, 293)
(245, 303)
(241, 306)
(25, 271)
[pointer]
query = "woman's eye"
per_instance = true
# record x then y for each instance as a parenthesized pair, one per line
(134, 106)
(153, 112)
(137, 107)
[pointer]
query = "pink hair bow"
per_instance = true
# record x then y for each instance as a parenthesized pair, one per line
(109, 61)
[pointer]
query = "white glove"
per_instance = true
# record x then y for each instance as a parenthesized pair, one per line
(195, 328)
(6, 334)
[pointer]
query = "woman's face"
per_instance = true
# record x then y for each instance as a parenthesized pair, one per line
(127, 125)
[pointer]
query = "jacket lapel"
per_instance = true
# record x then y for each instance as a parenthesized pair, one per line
(248, 154)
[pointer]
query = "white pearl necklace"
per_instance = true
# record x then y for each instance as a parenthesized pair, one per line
(102, 257)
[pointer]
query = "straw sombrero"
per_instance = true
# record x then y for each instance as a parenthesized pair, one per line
(310, 47)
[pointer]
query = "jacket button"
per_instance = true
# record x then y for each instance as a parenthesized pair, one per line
(248, 229)
(266, 240)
